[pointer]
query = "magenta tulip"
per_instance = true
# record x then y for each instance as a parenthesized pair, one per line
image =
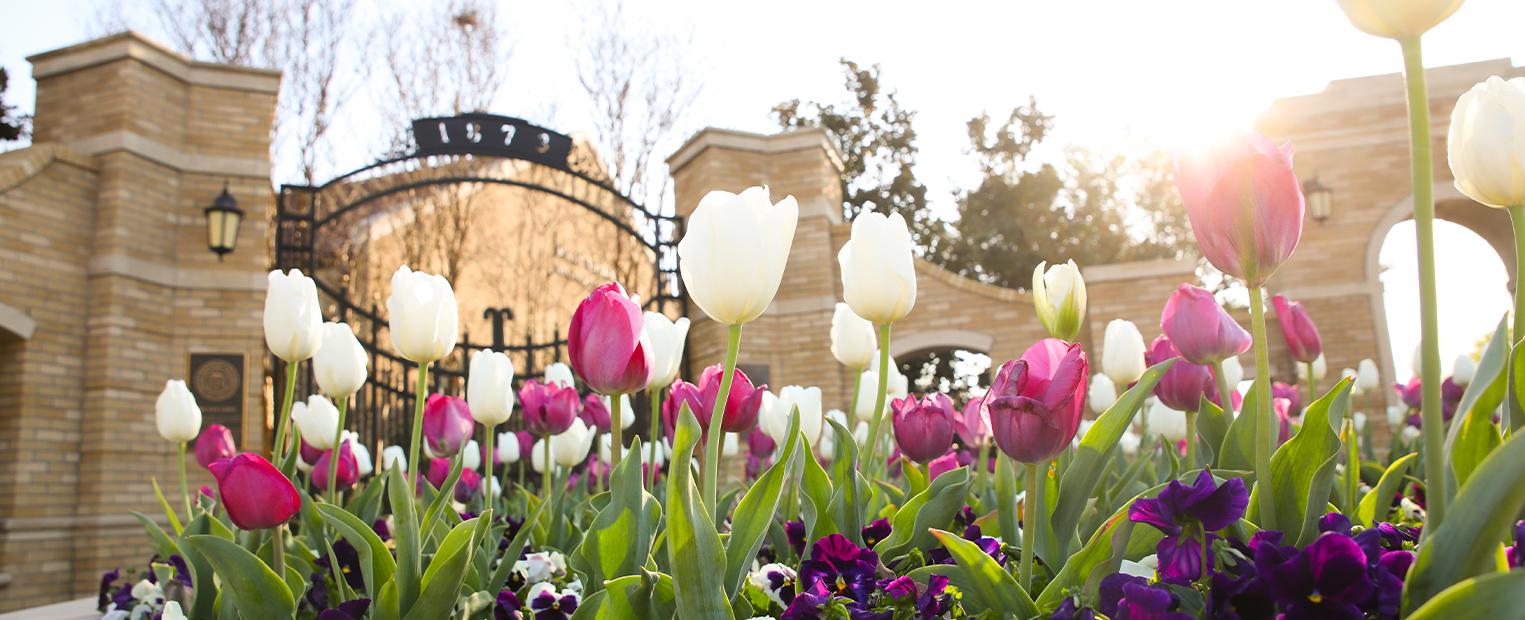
(207, 492)
(1035, 402)
(1200, 329)
(526, 444)
(741, 406)
(468, 486)
(256, 495)
(943, 464)
(549, 409)
(1245, 205)
(308, 453)
(607, 342)
(1410, 393)
(924, 428)
(439, 470)
(1298, 329)
(973, 428)
(349, 470)
(215, 443)
(759, 444)
(1183, 386)
(595, 413)
(447, 424)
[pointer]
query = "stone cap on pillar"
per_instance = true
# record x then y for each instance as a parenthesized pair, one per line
(804, 163)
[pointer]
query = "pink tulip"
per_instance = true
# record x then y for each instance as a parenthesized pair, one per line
(1245, 205)
(447, 424)
(439, 470)
(308, 453)
(741, 406)
(1183, 386)
(923, 428)
(1283, 409)
(548, 409)
(973, 428)
(207, 492)
(255, 493)
(760, 444)
(1294, 396)
(607, 343)
(214, 444)
(942, 465)
(349, 471)
(1200, 329)
(1035, 402)
(1298, 329)
(594, 413)
(468, 486)
(1410, 393)
(526, 444)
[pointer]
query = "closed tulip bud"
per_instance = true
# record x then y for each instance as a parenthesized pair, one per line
(607, 342)
(548, 409)
(293, 318)
(1059, 295)
(974, 427)
(215, 443)
(1122, 354)
(741, 406)
(1320, 370)
(349, 468)
(878, 270)
(438, 472)
(559, 374)
(507, 449)
(1200, 329)
(1165, 421)
(667, 338)
(924, 428)
(853, 341)
(340, 366)
(490, 387)
(537, 455)
(363, 464)
(1397, 19)
(318, 420)
(471, 455)
(256, 495)
(1486, 146)
(176, 414)
(595, 413)
(1244, 204)
(1101, 394)
(1298, 329)
(1183, 386)
(394, 457)
(571, 446)
(731, 446)
(424, 319)
(1035, 402)
(1463, 369)
(775, 420)
(733, 254)
(468, 486)
(1368, 378)
(447, 424)
(1233, 371)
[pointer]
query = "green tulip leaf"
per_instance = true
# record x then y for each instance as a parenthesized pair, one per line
(375, 558)
(754, 514)
(1238, 448)
(1495, 596)
(1302, 470)
(1485, 392)
(255, 590)
(1375, 504)
(201, 570)
(174, 521)
(441, 584)
(987, 584)
(693, 546)
(163, 544)
(618, 541)
(847, 493)
(632, 596)
(514, 549)
(1475, 439)
(936, 506)
(406, 534)
(1008, 517)
(815, 498)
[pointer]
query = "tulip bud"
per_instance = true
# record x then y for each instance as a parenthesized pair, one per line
(340, 365)
(730, 446)
(363, 465)
(1101, 394)
(1122, 355)
(548, 408)
(733, 254)
(1397, 19)
(468, 486)
(1486, 146)
(595, 413)
(741, 406)
(471, 455)
(878, 268)
(1035, 402)
(176, 414)
(293, 318)
(1200, 329)
(853, 341)
(349, 469)
(1367, 375)
(571, 446)
(256, 495)
(1320, 370)
(559, 374)
(1244, 204)
(447, 424)
(1059, 295)
(1165, 421)
(667, 338)
(318, 420)
(490, 387)
(974, 427)
(424, 319)
(507, 449)
(394, 457)
(1233, 372)
(627, 411)
(607, 342)
(1183, 386)
(1298, 329)
(1463, 369)
(214, 444)
(775, 421)
(1359, 420)
(537, 456)
(924, 429)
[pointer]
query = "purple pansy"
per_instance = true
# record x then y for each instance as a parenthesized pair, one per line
(875, 532)
(548, 604)
(1188, 514)
(348, 610)
(845, 568)
(1130, 597)
(807, 603)
(990, 545)
(1516, 553)
(1328, 579)
(795, 532)
(1068, 611)
(507, 606)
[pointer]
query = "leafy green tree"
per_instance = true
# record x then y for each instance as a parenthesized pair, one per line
(13, 126)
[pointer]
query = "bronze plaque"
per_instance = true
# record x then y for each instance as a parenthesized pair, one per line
(217, 382)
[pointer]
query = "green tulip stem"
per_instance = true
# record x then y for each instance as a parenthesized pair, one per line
(1031, 504)
(184, 489)
(1265, 419)
(1312, 387)
(981, 468)
(857, 381)
(654, 437)
(1352, 468)
(1516, 416)
(278, 550)
(283, 421)
(1191, 439)
(545, 480)
(1432, 427)
(333, 457)
(418, 421)
(487, 469)
(717, 418)
(872, 449)
(1225, 392)
(616, 435)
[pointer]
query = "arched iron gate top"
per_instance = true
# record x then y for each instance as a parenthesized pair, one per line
(452, 151)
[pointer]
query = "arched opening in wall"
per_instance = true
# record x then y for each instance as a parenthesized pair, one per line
(955, 371)
(1472, 288)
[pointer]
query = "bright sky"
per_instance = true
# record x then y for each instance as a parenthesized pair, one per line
(1116, 73)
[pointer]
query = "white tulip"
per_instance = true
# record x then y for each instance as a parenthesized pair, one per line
(1320, 370)
(394, 456)
(1129, 443)
(1398, 19)
(363, 463)
(339, 366)
(1416, 361)
(571, 446)
(605, 446)
(537, 455)
(1463, 369)
(424, 319)
(627, 410)
(176, 414)
(733, 255)
(1367, 375)
(472, 457)
(1059, 295)
(507, 448)
(776, 422)
(318, 420)
(1165, 421)
(1122, 352)
(293, 318)
(1486, 147)
(731, 447)
(853, 341)
(1233, 371)
(1409, 434)
(490, 387)
(878, 271)
(1360, 421)
(1396, 414)
(1101, 394)
(667, 338)
(559, 374)
(898, 386)
(868, 389)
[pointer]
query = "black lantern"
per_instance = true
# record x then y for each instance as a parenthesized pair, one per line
(1319, 197)
(223, 218)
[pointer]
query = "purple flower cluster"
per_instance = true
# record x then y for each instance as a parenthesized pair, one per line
(840, 575)
(1189, 515)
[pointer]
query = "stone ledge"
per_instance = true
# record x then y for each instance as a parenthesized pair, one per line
(927, 268)
(793, 140)
(19, 165)
(174, 277)
(132, 45)
(1139, 269)
(138, 144)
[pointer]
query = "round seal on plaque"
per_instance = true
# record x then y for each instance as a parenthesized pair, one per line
(216, 380)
